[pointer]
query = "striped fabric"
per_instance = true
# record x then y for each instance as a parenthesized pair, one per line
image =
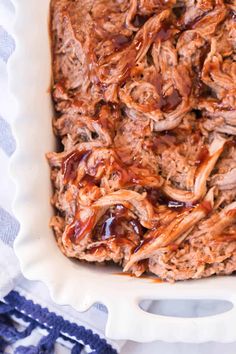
(9, 225)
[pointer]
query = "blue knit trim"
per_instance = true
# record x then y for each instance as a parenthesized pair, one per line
(56, 326)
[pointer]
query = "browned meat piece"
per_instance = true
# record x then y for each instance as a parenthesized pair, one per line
(168, 234)
(201, 174)
(225, 176)
(209, 249)
(145, 110)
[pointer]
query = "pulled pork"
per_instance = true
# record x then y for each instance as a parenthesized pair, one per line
(145, 110)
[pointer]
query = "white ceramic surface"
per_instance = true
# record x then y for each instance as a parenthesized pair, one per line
(70, 282)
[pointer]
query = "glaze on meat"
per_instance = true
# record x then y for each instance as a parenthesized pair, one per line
(145, 110)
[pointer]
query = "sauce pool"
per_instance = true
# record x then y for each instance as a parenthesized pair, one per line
(126, 274)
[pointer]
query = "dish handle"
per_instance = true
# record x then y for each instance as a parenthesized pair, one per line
(128, 320)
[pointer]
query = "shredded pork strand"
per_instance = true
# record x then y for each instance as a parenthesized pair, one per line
(145, 111)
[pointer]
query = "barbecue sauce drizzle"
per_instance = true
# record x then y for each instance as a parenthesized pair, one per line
(110, 228)
(71, 162)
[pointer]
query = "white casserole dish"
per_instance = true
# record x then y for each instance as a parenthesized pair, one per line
(81, 285)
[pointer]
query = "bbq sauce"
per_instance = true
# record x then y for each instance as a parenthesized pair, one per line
(71, 162)
(179, 11)
(147, 277)
(157, 280)
(169, 103)
(137, 227)
(111, 226)
(157, 196)
(143, 243)
(88, 180)
(127, 177)
(139, 20)
(206, 206)
(199, 87)
(165, 31)
(78, 229)
(202, 156)
(166, 103)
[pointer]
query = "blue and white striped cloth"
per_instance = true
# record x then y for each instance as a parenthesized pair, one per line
(38, 322)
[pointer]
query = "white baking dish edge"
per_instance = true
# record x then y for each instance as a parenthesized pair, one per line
(71, 283)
